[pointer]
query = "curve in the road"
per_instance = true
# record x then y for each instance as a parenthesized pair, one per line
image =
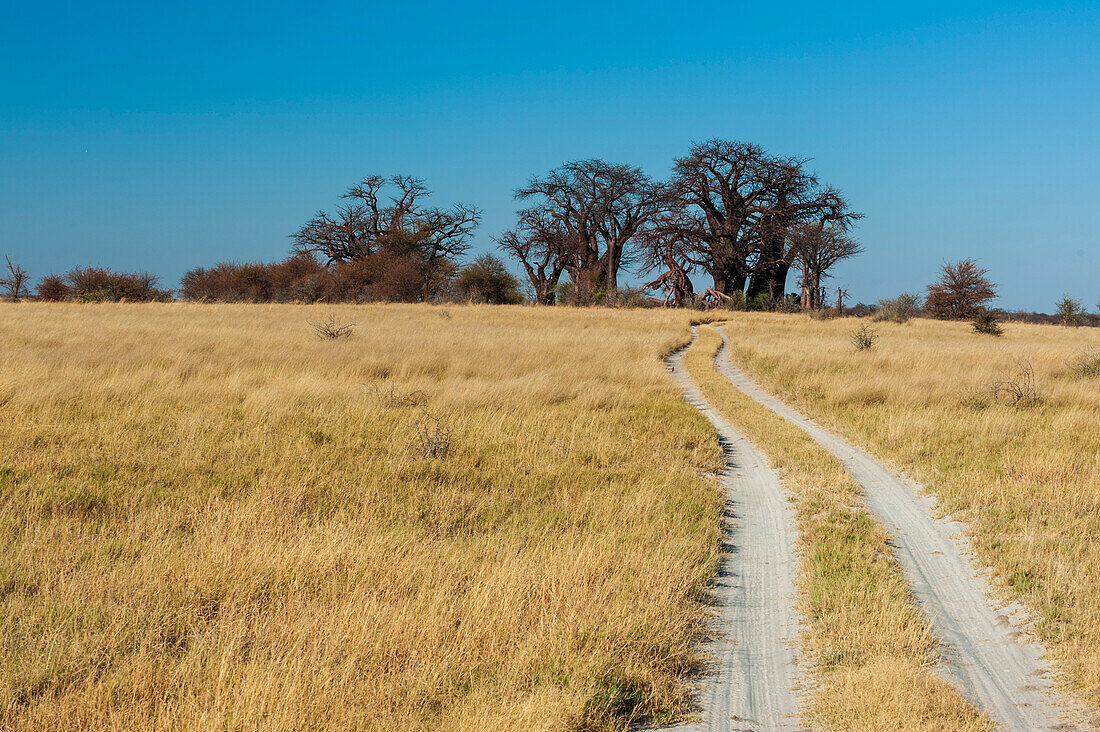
(753, 687)
(996, 666)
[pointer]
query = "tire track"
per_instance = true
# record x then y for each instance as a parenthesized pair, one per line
(753, 687)
(994, 665)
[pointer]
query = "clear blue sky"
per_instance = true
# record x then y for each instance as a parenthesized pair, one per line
(165, 136)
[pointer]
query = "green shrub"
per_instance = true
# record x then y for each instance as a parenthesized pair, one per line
(899, 309)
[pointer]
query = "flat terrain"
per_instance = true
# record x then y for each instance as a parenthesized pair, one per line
(212, 519)
(511, 518)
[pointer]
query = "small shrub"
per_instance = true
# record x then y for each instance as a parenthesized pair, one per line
(900, 309)
(15, 281)
(1070, 312)
(433, 438)
(863, 337)
(986, 323)
(98, 284)
(331, 329)
(487, 280)
(978, 398)
(961, 292)
(1086, 365)
(625, 297)
(762, 301)
(737, 301)
(1017, 388)
(789, 303)
(52, 288)
(392, 398)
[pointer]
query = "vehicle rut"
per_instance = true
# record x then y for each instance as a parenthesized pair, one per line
(753, 684)
(995, 665)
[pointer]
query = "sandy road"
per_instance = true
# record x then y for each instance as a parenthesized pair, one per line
(753, 684)
(990, 660)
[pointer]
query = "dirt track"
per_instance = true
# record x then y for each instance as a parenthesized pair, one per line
(984, 653)
(752, 687)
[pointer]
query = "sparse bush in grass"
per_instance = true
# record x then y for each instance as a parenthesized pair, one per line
(961, 292)
(986, 323)
(15, 281)
(736, 301)
(99, 284)
(789, 303)
(52, 288)
(625, 297)
(331, 329)
(863, 337)
(761, 301)
(391, 397)
(433, 438)
(487, 280)
(1086, 365)
(899, 309)
(1070, 312)
(1017, 388)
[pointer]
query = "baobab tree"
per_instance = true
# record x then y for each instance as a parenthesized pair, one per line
(741, 203)
(542, 246)
(666, 249)
(817, 247)
(385, 220)
(600, 207)
(358, 227)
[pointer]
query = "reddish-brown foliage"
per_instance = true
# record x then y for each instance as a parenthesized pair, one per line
(961, 292)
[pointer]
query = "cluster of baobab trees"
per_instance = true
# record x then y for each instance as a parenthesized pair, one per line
(730, 211)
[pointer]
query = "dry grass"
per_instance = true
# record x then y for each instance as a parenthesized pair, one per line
(1026, 480)
(210, 519)
(869, 650)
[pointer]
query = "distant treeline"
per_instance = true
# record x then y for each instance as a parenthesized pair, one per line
(729, 212)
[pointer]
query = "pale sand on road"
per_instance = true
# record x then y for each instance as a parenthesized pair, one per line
(753, 686)
(1000, 669)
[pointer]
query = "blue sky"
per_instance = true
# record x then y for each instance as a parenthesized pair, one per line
(163, 138)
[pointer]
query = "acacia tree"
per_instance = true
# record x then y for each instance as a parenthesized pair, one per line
(15, 280)
(817, 247)
(961, 292)
(741, 203)
(387, 220)
(600, 207)
(542, 245)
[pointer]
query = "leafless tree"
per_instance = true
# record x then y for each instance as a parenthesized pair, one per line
(817, 247)
(667, 249)
(15, 280)
(361, 226)
(542, 245)
(961, 292)
(744, 201)
(600, 207)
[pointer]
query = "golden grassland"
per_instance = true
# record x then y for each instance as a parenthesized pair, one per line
(210, 518)
(869, 650)
(1025, 479)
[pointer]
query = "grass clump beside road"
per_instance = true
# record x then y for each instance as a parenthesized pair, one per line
(211, 518)
(868, 650)
(1024, 476)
